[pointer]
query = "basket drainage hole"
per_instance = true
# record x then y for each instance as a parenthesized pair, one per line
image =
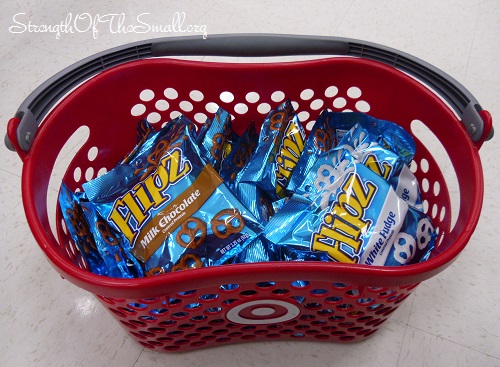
(252, 97)
(196, 95)
(147, 95)
(227, 97)
(138, 109)
(170, 93)
(248, 293)
(300, 284)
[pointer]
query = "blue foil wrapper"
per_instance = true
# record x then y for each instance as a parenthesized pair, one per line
(415, 241)
(364, 147)
(79, 230)
(144, 132)
(281, 142)
(111, 246)
(177, 215)
(349, 212)
(407, 188)
(262, 250)
(239, 155)
(329, 130)
(143, 162)
(213, 136)
(269, 168)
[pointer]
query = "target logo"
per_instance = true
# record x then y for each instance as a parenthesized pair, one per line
(263, 312)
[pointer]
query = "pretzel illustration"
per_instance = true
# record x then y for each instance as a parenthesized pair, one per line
(187, 261)
(105, 231)
(323, 140)
(157, 270)
(192, 233)
(277, 120)
(216, 150)
(227, 222)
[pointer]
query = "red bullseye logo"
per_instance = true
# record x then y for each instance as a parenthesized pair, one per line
(264, 311)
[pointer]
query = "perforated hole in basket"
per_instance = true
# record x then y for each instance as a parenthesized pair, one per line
(437, 180)
(264, 310)
(161, 106)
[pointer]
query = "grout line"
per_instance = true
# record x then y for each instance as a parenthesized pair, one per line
(139, 356)
(11, 173)
(343, 17)
(7, 215)
(473, 40)
(208, 11)
(72, 60)
(402, 344)
(456, 343)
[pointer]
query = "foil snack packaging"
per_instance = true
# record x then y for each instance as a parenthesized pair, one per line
(365, 148)
(213, 137)
(174, 213)
(239, 154)
(79, 230)
(349, 212)
(266, 175)
(181, 200)
(330, 129)
(111, 246)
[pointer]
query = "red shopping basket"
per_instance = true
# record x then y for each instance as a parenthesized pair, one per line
(263, 301)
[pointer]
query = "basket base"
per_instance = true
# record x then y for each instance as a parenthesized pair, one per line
(263, 311)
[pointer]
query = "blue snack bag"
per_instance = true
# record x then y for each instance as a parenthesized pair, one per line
(79, 230)
(388, 134)
(350, 213)
(144, 160)
(262, 250)
(213, 136)
(415, 241)
(321, 139)
(229, 144)
(258, 201)
(240, 153)
(151, 150)
(386, 163)
(178, 215)
(280, 144)
(288, 155)
(362, 146)
(406, 186)
(111, 246)
(265, 177)
(144, 133)
(336, 128)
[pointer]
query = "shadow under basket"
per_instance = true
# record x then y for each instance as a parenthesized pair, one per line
(265, 301)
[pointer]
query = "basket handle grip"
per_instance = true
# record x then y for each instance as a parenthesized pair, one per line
(34, 108)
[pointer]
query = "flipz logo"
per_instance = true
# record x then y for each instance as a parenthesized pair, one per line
(381, 168)
(341, 230)
(131, 211)
(288, 155)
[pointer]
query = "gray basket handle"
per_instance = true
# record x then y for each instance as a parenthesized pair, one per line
(39, 102)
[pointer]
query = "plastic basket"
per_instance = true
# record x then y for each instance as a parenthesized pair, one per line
(264, 301)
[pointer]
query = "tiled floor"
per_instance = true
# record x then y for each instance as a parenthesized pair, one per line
(452, 319)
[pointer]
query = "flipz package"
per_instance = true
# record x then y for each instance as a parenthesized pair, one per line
(347, 207)
(173, 212)
(355, 217)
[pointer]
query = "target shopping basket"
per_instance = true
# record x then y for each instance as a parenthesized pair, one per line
(109, 92)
